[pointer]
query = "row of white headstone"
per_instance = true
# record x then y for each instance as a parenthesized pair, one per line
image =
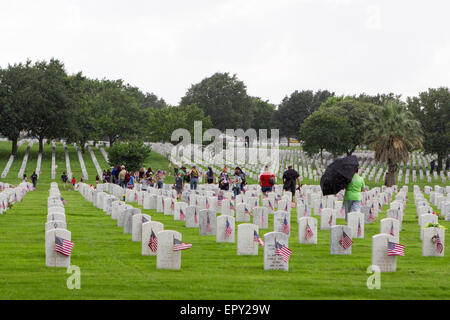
(9, 194)
(55, 226)
(11, 159)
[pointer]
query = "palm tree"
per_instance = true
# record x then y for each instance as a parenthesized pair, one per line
(393, 132)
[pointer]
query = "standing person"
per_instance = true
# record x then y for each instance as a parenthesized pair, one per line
(290, 178)
(74, 181)
(97, 179)
(81, 179)
(175, 170)
(266, 181)
(141, 173)
(237, 181)
(34, 178)
(224, 180)
(431, 166)
(24, 178)
(144, 182)
(118, 171)
(121, 176)
(131, 181)
(104, 176)
(160, 176)
(113, 175)
(108, 176)
(210, 176)
(243, 177)
(194, 178)
(179, 184)
(64, 179)
(352, 196)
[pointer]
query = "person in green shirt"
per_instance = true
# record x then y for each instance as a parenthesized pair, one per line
(352, 197)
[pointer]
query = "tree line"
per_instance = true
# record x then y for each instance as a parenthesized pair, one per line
(45, 102)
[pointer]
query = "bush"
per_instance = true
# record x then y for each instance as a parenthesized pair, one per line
(130, 154)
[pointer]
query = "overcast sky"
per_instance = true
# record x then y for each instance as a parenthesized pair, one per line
(275, 47)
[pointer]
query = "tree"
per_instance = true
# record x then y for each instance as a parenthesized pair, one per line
(151, 100)
(393, 133)
(355, 112)
(262, 113)
(325, 131)
(379, 99)
(51, 101)
(130, 154)
(119, 112)
(16, 96)
(174, 118)
(224, 98)
(294, 109)
(432, 109)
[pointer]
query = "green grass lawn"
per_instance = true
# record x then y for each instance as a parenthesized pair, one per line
(112, 266)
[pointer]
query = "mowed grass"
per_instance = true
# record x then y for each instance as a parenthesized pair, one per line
(112, 266)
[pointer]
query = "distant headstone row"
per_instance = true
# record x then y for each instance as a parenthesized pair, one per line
(9, 195)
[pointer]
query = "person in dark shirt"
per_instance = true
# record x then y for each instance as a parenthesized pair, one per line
(290, 177)
(34, 178)
(64, 179)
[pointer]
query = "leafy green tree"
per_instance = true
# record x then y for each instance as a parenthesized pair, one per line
(393, 132)
(163, 122)
(119, 112)
(379, 99)
(224, 98)
(151, 100)
(51, 101)
(325, 131)
(16, 96)
(131, 154)
(294, 109)
(432, 109)
(262, 113)
(355, 112)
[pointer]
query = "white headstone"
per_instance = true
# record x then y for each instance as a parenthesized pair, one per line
(380, 256)
(221, 231)
(245, 239)
(303, 223)
(147, 229)
(336, 234)
(166, 258)
(273, 261)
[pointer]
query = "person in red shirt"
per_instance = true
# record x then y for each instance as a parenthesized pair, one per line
(74, 181)
(264, 181)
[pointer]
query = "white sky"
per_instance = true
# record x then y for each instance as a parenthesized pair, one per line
(275, 47)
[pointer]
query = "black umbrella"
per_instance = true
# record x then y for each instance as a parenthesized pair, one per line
(338, 175)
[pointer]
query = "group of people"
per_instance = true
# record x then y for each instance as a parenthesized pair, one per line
(126, 179)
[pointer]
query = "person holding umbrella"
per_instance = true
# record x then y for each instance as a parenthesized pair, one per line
(352, 196)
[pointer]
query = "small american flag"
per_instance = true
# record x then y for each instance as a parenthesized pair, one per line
(178, 245)
(282, 251)
(270, 205)
(63, 246)
(182, 215)
(308, 233)
(232, 206)
(195, 217)
(135, 196)
(330, 221)
(228, 229)
(342, 211)
(345, 241)
(208, 223)
(305, 213)
(439, 245)
(286, 227)
(392, 230)
(320, 207)
(371, 217)
(256, 203)
(162, 202)
(207, 204)
(359, 233)
(153, 243)
(144, 219)
(395, 249)
(257, 238)
(172, 206)
(63, 200)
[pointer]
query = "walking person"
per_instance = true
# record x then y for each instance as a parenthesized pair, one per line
(74, 181)
(210, 176)
(64, 179)
(34, 178)
(290, 178)
(194, 178)
(352, 196)
(266, 181)
(121, 176)
(224, 180)
(179, 184)
(237, 180)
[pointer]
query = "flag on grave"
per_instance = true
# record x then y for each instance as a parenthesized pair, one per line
(308, 233)
(342, 211)
(282, 250)
(439, 245)
(63, 246)
(257, 238)
(228, 229)
(392, 230)
(232, 206)
(359, 233)
(371, 216)
(395, 249)
(286, 227)
(144, 219)
(178, 245)
(182, 215)
(63, 200)
(270, 205)
(207, 203)
(153, 243)
(345, 241)
(256, 203)
(246, 211)
(320, 207)
(208, 223)
(330, 221)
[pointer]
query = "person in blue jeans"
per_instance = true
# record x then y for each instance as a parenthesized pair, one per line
(237, 181)
(194, 178)
(352, 196)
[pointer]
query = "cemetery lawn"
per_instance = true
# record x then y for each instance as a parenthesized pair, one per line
(112, 266)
